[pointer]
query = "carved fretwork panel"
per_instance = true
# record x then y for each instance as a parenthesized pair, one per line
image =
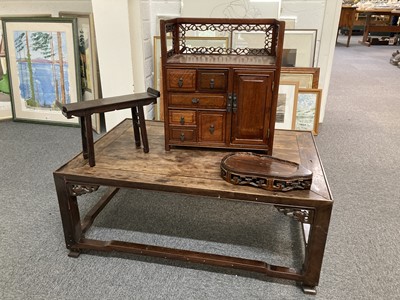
(298, 214)
(79, 190)
(267, 29)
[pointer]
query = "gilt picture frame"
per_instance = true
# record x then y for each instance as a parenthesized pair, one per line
(308, 110)
(308, 78)
(43, 65)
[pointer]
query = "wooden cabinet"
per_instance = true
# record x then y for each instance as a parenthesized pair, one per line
(221, 97)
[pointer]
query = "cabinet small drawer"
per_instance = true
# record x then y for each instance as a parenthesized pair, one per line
(182, 117)
(212, 80)
(182, 134)
(211, 127)
(181, 80)
(198, 100)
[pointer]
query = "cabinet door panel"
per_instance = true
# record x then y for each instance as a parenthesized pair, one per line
(211, 127)
(250, 119)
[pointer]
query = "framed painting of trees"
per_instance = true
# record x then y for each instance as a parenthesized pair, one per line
(43, 65)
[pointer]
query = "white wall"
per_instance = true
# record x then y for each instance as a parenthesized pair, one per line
(17, 7)
(114, 51)
(322, 15)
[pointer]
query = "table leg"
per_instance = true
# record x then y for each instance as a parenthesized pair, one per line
(89, 140)
(316, 247)
(69, 213)
(135, 124)
(84, 138)
(366, 29)
(143, 131)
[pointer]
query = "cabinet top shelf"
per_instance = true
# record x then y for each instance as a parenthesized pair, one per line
(222, 60)
(192, 39)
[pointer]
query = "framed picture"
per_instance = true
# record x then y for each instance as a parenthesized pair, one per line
(191, 41)
(308, 78)
(43, 67)
(5, 101)
(90, 77)
(299, 48)
(287, 105)
(308, 108)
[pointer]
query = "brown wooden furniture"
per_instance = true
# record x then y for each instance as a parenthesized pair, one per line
(347, 19)
(85, 110)
(120, 166)
(369, 26)
(221, 97)
(265, 172)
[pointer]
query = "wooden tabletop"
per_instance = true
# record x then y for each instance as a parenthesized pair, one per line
(191, 171)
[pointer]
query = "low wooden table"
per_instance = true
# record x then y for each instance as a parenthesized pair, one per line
(195, 172)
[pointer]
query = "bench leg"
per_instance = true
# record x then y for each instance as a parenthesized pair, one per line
(135, 124)
(89, 140)
(143, 131)
(84, 139)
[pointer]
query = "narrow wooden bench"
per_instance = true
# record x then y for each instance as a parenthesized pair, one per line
(85, 109)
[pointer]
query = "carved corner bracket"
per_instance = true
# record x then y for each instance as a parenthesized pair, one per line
(80, 189)
(298, 214)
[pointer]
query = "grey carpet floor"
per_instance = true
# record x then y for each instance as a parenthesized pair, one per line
(358, 143)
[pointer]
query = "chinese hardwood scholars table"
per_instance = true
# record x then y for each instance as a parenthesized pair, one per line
(195, 172)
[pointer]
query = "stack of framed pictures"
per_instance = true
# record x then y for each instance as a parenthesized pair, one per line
(299, 99)
(49, 60)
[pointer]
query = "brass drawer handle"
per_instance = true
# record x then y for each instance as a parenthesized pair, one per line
(212, 129)
(180, 82)
(182, 137)
(182, 120)
(195, 100)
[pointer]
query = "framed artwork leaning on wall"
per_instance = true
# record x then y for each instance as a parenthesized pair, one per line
(308, 109)
(287, 105)
(43, 66)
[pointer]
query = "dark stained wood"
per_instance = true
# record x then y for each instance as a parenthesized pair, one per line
(264, 171)
(85, 108)
(120, 166)
(84, 111)
(244, 83)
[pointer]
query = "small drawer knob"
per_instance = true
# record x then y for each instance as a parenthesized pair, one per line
(182, 137)
(195, 100)
(180, 82)
(212, 83)
(182, 120)
(212, 128)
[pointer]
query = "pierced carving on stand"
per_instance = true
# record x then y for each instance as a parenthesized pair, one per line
(298, 214)
(79, 190)
(264, 171)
